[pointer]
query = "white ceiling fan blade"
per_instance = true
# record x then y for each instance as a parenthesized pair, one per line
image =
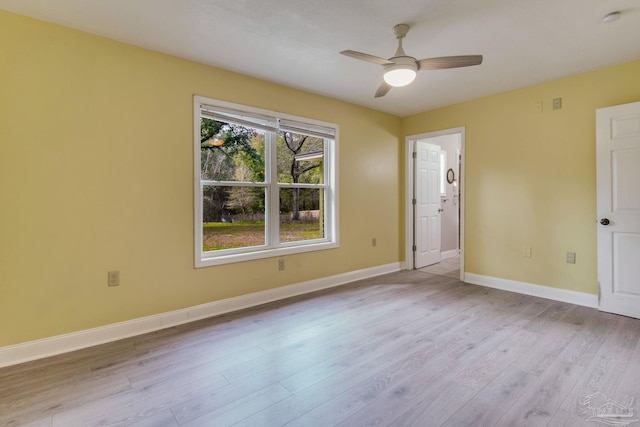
(366, 57)
(382, 90)
(449, 62)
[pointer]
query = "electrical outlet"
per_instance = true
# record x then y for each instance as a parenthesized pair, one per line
(281, 264)
(557, 103)
(374, 242)
(571, 257)
(538, 107)
(113, 278)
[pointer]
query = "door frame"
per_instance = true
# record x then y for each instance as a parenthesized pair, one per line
(409, 190)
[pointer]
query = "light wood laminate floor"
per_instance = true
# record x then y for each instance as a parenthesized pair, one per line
(449, 267)
(405, 349)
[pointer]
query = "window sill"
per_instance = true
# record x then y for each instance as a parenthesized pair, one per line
(209, 261)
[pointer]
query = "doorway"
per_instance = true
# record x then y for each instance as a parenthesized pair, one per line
(451, 185)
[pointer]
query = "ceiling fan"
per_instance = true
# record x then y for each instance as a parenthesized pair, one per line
(401, 69)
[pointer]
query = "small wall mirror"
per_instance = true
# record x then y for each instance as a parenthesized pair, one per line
(451, 176)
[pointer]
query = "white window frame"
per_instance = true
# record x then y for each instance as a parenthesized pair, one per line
(273, 248)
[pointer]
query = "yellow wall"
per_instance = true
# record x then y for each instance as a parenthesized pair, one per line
(96, 174)
(530, 176)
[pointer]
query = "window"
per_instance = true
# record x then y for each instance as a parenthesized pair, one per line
(265, 183)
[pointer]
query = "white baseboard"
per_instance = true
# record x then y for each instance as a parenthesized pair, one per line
(32, 350)
(556, 294)
(449, 254)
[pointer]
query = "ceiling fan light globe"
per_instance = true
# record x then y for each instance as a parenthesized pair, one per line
(399, 77)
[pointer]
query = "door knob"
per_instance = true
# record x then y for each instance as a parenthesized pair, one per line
(604, 221)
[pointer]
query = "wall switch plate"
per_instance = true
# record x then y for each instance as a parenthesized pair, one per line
(527, 253)
(571, 257)
(113, 278)
(281, 264)
(374, 242)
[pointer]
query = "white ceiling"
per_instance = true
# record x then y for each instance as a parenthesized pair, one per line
(296, 43)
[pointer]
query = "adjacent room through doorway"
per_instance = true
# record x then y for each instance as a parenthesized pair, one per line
(434, 214)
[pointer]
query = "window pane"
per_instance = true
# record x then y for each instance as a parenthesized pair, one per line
(300, 158)
(230, 152)
(301, 214)
(232, 217)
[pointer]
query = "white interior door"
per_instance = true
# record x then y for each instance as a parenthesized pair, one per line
(427, 204)
(618, 173)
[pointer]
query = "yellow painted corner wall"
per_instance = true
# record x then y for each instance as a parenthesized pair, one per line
(531, 176)
(96, 174)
